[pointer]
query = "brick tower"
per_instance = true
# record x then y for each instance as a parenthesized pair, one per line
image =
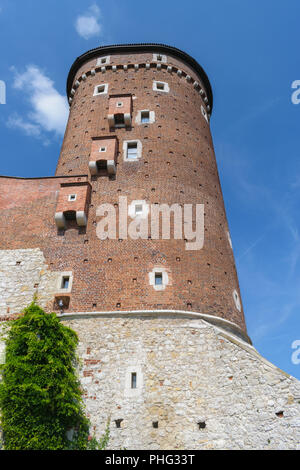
(162, 333)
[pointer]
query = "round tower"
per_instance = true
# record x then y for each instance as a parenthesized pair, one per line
(129, 244)
(139, 128)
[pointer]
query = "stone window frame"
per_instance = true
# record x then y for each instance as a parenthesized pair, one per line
(70, 197)
(101, 59)
(237, 300)
(128, 390)
(156, 56)
(139, 150)
(104, 92)
(60, 289)
(165, 279)
(101, 149)
(159, 82)
(204, 113)
(229, 239)
(145, 209)
(138, 118)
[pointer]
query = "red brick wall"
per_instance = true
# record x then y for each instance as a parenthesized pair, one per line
(177, 166)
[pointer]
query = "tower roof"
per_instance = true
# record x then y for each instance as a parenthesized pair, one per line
(131, 48)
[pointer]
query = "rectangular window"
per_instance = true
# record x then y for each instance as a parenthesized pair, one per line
(132, 150)
(119, 120)
(138, 209)
(102, 149)
(145, 116)
(158, 279)
(101, 89)
(160, 86)
(72, 197)
(65, 282)
(133, 380)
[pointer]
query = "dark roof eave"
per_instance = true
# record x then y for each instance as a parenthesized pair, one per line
(131, 48)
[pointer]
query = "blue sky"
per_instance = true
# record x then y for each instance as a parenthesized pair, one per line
(249, 50)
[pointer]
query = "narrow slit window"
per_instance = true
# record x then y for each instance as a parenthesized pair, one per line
(133, 380)
(132, 150)
(145, 116)
(65, 282)
(158, 279)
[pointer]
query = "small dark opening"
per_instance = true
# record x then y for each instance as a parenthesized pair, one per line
(279, 414)
(102, 165)
(160, 86)
(118, 422)
(119, 119)
(202, 424)
(70, 215)
(155, 424)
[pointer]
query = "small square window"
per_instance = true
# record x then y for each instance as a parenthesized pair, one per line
(120, 104)
(72, 197)
(145, 116)
(132, 150)
(102, 149)
(158, 279)
(160, 86)
(103, 60)
(101, 89)
(65, 282)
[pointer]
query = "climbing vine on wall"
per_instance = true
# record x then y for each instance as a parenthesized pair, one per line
(40, 396)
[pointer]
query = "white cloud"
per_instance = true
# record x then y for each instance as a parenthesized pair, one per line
(87, 25)
(49, 110)
(28, 128)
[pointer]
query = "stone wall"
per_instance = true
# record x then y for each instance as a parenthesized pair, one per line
(204, 388)
(24, 276)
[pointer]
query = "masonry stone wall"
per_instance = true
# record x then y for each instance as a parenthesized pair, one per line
(204, 388)
(24, 276)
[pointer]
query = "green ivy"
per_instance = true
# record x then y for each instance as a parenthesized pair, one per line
(40, 395)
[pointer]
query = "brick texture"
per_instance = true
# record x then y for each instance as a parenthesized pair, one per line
(177, 165)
